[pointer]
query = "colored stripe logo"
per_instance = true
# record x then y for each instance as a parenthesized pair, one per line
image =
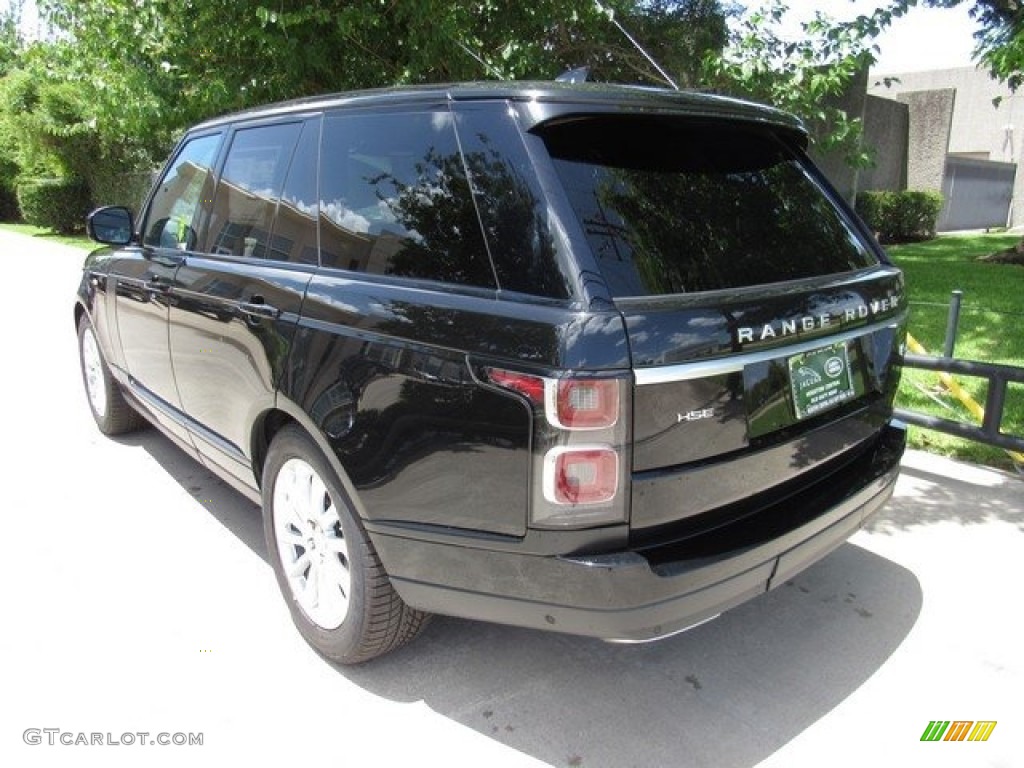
(958, 730)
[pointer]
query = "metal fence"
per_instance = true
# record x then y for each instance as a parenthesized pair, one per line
(999, 377)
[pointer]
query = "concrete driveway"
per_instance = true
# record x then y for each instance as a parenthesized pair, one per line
(137, 599)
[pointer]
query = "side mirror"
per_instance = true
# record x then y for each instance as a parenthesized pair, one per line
(112, 225)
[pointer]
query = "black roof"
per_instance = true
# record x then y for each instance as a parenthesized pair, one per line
(586, 96)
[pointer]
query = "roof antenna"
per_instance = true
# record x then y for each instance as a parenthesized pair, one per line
(578, 75)
(490, 70)
(610, 13)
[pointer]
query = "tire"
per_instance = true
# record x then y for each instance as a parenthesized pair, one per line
(339, 594)
(111, 412)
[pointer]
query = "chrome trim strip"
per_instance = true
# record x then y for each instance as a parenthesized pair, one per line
(656, 638)
(703, 369)
(186, 422)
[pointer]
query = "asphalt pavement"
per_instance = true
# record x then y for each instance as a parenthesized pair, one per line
(137, 599)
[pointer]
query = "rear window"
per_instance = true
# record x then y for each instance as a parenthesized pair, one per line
(672, 206)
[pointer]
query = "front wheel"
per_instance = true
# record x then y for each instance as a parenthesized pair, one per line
(339, 595)
(111, 412)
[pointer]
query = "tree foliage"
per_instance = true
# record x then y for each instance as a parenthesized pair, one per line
(49, 119)
(1000, 37)
(10, 39)
(159, 65)
(999, 40)
(118, 80)
(11, 46)
(115, 82)
(677, 35)
(49, 129)
(807, 76)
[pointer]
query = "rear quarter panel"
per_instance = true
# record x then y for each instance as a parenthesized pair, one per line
(388, 373)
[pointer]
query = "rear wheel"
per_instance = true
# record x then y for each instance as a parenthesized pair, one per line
(339, 595)
(110, 410)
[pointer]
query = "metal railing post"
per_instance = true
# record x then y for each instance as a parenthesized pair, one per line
(952, 323)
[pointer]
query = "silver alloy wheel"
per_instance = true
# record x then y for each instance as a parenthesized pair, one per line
(311, 544)
(95, 378)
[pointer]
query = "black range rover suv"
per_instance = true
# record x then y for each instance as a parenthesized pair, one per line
(593, 359)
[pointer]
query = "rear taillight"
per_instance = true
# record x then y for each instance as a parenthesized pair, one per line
(580, 446)
(586, 403)
(581, 475)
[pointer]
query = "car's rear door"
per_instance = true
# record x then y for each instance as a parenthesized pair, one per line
(237, 298)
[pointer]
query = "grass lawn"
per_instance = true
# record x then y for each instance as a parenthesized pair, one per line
(991, 330)
(78, 241)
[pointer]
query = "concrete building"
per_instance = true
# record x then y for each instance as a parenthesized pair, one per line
(956, 131)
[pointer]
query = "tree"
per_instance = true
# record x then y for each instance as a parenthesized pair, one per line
(999, 41)
(49, 118)
(808, 76)
(51, 147)
(805, 76)
(11, 46)
(10, 39)
(157, 66)
(677, 35)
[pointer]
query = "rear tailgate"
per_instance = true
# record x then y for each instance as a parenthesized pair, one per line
(764, 325)
(737, 396)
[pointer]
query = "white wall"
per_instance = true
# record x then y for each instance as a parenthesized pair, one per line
(980, 129)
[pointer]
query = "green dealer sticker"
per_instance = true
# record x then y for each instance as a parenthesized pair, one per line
(820, 379)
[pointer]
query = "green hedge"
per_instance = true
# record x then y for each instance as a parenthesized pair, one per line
(900, 217)
(8, 197)
(58, 204)
(117, 186)
(8, 204)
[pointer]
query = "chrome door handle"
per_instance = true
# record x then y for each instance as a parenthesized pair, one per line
(258, 308)
(156, 285)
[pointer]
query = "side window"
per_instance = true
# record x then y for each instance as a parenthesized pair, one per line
(294, 237)
(394, 199)
(184, 192)
(248, 191)
(512, 208)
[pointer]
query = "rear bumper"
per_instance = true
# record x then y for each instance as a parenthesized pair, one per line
(635, 596)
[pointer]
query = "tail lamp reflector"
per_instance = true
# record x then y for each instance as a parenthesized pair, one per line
(568, 403)
(530, 386)
(588, 475)
(587, 403)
